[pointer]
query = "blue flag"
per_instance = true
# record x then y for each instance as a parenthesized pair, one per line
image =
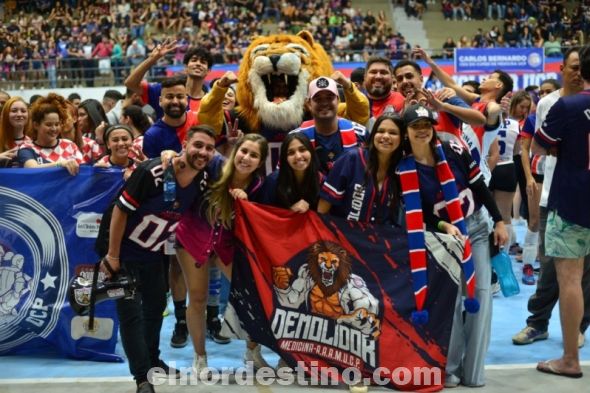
(49, 221)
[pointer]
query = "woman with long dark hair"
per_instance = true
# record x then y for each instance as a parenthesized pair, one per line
(296, 184)
(92, 120)
(369, 175)
(451, 186)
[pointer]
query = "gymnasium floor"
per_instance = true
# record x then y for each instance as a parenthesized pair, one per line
(509, 367)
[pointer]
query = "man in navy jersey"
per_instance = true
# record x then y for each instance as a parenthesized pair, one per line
(542, 302)
(197, 64)
(329, 134)
(140, 224)
(566, 133)
(169, 132)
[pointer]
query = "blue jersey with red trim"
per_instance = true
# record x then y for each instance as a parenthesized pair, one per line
(567, 127)
(160, 136)
(151, 95)
(355, 195)
(350, 135)
(151, 220)
(466, 172)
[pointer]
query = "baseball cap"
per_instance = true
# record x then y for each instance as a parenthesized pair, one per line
(320, 84)
(418, 112)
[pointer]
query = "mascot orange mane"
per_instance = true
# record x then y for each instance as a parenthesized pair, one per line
(274, 75)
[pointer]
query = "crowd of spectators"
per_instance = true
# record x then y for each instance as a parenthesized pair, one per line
(70, 42)
(348, 34)
(67, 42)
(522, 24)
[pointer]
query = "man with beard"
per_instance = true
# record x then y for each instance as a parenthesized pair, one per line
(379, 86)
(197, 64)
(169, 132)
(140, 224)
(452, 110)
(329, 134)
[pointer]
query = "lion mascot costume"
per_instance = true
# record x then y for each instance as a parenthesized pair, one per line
(272, 88)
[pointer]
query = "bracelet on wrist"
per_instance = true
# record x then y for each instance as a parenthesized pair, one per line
(113, 258)
(57, 164)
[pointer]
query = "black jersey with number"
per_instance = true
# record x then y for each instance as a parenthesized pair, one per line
(151, 220)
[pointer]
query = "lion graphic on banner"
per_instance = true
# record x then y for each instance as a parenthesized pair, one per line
(329, 288)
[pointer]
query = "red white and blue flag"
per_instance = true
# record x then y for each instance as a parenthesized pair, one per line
(335, 293)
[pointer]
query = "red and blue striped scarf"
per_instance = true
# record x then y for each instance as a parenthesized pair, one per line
(415, 226)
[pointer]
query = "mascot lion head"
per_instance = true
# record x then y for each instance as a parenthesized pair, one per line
(329, 266)
(274, 75)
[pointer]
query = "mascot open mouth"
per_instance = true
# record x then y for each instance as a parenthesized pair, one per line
(279, 84)
(274, 75)
(328, 276)
(279, 87)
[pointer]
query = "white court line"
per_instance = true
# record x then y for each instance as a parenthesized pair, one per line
(24, 381)
(523, 366)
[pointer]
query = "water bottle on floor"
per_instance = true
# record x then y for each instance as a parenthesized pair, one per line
(503, 267)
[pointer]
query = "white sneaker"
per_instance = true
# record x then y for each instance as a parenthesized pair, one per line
(581, 340)
(200, 368)
(358, 388)
(495, 288)
(255, 356)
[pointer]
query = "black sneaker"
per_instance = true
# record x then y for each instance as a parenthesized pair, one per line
(179, 335)
(213, 331)
(162, 370)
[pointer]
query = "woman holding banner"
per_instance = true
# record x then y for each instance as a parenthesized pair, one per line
(296, 184)
(371, 170)
(48, 115)
(452, 188)
(204, 234)
(14, 121)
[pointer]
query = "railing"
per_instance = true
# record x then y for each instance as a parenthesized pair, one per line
(51, 73)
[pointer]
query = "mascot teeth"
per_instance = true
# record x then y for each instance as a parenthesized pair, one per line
(276, 71)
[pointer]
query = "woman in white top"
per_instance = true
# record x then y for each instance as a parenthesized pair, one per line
(503, 182)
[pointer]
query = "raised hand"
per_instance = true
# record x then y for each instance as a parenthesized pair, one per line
(341, 80)
(164, 48)
(228, 79)
(234, 133)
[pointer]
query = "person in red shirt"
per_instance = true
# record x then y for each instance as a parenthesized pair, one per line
(379, 84)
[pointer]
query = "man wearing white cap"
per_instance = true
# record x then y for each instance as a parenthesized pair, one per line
(329, 134)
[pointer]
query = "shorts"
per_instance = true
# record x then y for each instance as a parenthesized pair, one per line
(564, 239)
(201, 240)
(504, 178)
